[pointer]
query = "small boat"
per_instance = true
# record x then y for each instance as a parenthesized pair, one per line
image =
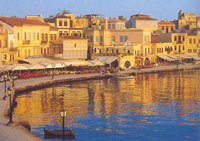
(53, 133)
(123, 77)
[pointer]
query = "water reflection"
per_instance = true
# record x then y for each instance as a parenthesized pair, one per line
(122, 108)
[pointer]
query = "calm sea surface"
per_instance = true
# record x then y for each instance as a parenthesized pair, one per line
(163, 106)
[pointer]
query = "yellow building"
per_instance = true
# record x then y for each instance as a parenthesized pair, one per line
(187, 19)
(141, 21)
(179, 43)
(192, 44)
(75, 48)
(66, 25)
(7, 55)
(28, 37)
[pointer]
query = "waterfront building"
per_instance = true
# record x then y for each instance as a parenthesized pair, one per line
(186, 20)
(75, 48)
(65, 25)
(112, 24)
(28, 37)
(143, 22)
(166, 26)
(192, 43)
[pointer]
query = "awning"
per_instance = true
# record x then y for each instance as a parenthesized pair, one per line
(166, 58)
(106, 59)
(59, 65)
(195, 57)
(36, 67)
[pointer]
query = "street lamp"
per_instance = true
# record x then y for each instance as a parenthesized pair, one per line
(13, 78)
(63, 115)
(5, 77)
(10, 112)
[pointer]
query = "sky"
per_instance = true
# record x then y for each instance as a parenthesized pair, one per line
(158, 9)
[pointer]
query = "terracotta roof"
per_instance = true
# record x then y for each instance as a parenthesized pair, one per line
(13, 21)
(144, 18)
(63, 16)
(53, 28)
(72, 37)
(167, 23)
(56, 42)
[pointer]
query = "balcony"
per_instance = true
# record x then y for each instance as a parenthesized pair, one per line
(26, 42)
(44, 42)
(180, 42)
(12, 49)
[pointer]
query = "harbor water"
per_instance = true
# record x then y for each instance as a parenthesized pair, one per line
(163, 106)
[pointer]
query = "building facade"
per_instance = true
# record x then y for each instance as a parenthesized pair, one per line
(75, 48)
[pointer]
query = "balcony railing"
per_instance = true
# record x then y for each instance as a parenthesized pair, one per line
(12, 49)
(179, 42)
(27, 42)
(44, 42)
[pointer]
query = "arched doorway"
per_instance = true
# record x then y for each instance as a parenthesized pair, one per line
(127, 64)
(147, 62)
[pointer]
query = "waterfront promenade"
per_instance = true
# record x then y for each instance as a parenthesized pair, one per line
(14, 132)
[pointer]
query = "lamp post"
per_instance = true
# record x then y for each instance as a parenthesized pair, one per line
(10, 112)
(63, 115)
(13, 78)
(5, 77)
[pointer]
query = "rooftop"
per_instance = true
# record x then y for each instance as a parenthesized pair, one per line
(13, 21)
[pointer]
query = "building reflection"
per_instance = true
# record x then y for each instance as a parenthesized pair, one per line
(141, 95)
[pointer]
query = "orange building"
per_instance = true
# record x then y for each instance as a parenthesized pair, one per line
(166, 26)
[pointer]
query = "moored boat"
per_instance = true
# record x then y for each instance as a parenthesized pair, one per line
(53, 133)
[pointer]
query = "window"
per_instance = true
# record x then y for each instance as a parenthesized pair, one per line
(183, 47)
(190, 41)
(97, 39)
(163, 27)
(174, 47)
(29, 36)
(125, 38)
(101, 38)
(145, 50)
(113, 26)
(54, 36)
(75, 45)
(42, 36)
(46, 37)
(5, 57)
(113, 38)
(91, 39)
(175, 38)
(60, 33)
(65, 23)
(194, 51)
(121, 38)
(60, 22)
(109, 26)
(172, 29)
(34, 36)
(18, 53)
(167, 30)
(102, 27)
(179, 38)
(18, 36)
(194, 41)
(38, 36)
(65, 33)
(183, 38)
(25, 36)
(51, 36)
